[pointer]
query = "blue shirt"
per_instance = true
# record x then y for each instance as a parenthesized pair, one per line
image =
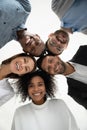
(13, 15)
(76, 16)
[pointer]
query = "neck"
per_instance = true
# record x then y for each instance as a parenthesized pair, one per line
(69, 69)
(4, 71)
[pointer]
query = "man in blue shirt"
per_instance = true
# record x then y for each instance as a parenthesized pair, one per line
(72, 14)
(13, 15)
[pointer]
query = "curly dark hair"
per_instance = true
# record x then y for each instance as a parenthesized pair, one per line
(7, 61)
(25, 80)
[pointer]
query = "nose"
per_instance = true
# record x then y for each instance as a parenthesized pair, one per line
(35, 88)
(52, 65)
(33, 43)
(24, 65)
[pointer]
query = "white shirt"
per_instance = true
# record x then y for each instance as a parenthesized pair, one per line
(80, 73)
(6, 91)
(52, 115)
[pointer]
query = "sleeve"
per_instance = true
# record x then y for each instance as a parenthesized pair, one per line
(61, 6)
(6, 91)
(26, 5)
(72, 122)
(55, 6)
(84, 30)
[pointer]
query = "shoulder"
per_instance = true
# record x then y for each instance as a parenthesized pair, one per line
(26, 5)
(58, 102)
(22, 109)
(58, 105)
(61, 6)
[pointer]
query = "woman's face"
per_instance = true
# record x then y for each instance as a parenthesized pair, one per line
(37, 90)
(22, 65)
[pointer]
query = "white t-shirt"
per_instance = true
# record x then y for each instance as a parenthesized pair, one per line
(6, 91)
(52, 115)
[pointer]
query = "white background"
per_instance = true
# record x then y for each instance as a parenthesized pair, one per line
(43, 22)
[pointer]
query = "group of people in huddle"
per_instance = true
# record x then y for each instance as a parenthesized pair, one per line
(36, 75)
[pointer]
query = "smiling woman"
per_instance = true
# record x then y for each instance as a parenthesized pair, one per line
(43, 21)
(17, 65)
(38, 86)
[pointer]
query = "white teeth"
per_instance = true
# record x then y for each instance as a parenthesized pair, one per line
(61, 39)
(28, 40)
(17, 65)
(36, 94)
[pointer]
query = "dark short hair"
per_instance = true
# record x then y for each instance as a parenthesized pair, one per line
(25, 80)
(7, 61)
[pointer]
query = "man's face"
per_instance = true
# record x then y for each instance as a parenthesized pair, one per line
(32, 44)
(57, 43)
(53, 65)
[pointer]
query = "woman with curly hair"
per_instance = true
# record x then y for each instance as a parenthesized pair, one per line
(42, 113)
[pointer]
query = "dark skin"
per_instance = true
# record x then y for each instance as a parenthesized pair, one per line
(31, 43)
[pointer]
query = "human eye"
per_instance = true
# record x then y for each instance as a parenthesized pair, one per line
(25, 60)
(30, 85)
(32, 50)
(58, 49)
(50, 60)
(40, 84)
(26, 69)
(52, 44)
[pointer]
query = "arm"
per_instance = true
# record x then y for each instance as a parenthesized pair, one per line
(4, 71)
(6, 91)
(60, 7)
(26, 4)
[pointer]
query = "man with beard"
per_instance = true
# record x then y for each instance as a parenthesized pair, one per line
(75, 71)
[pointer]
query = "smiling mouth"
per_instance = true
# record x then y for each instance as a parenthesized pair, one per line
(28, 43)
(37, 94)
(17, 66)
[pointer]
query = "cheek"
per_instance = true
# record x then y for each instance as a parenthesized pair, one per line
(54, 50)
(44, 90)
(13, 67)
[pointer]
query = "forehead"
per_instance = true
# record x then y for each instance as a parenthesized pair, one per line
(47, 58)
(20, 57)
(46, 61)
(36, 78)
